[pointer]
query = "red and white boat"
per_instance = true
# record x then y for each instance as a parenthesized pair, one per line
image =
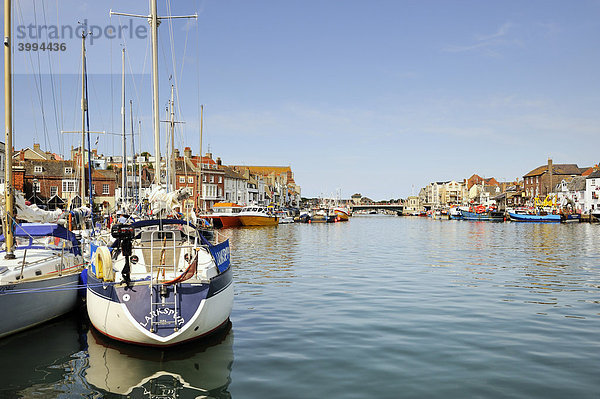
(225, 214)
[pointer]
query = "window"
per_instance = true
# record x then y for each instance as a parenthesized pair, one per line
(190, 179)
(53, 191)
(69, 186)
(68, 171)
(181, 179)
(220, 179)
(105, 189)
(36, 186)
(212, 179)
(204, 178)
(38, 169)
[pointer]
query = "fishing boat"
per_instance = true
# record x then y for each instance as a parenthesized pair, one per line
(258, 216)
(285, 217)
(342, 214)
(486, 216)
(455, 213)
(225, 214)
(539, 218)
(570, 217)
(161, 282)
(322, 216)
(303, 217)
(41, 262)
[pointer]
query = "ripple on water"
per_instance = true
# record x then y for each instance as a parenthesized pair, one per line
(404, 307)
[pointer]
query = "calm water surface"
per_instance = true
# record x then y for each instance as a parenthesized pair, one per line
(382, 307)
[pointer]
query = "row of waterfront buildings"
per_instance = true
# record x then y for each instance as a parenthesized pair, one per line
(48, 180)
(567, 184)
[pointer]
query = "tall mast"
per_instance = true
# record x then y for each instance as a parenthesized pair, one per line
(133, 155)
(139, 163)
(172, 126)
(124, 148)
(8, 149)
(83, 109)
(200, 192)
(154, 21)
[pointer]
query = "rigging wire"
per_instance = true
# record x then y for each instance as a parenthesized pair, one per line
(41, 91)
(35, 83)
(52, 84)
(61, 140)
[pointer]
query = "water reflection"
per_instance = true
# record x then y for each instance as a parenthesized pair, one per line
(199, 369)
(68, 358)
(42, 362)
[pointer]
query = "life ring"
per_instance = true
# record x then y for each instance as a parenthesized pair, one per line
(103, 263)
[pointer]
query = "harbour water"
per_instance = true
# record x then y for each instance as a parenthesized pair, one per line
(378, 307)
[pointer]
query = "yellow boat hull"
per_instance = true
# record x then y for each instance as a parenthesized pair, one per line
(341, 216)
(259, 221)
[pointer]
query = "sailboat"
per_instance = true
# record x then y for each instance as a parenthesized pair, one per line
(41, 262)
(161, 282)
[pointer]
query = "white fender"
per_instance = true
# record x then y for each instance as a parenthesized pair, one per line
(103, 262)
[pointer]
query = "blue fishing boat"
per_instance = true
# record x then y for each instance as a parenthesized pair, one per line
(488, 216)
(524, 217)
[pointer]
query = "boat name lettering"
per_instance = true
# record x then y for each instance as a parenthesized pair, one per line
(162, 311)
(222, 256)
(6, 288)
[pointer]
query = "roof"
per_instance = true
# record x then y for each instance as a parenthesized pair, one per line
(267, 170)
(231, 173)
(594, 175)
(577, 183)
(51, 168)
(185, 166)
(557, 169)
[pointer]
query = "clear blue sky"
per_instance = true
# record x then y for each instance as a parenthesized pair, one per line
(375, 97)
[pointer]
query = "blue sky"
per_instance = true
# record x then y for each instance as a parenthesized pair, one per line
(377, 97)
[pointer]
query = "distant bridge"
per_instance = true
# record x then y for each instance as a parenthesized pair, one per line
(391, 207)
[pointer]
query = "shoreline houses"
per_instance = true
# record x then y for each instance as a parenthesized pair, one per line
(50, 181)
(572, 186)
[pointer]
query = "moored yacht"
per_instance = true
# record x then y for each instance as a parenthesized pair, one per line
(163, 284)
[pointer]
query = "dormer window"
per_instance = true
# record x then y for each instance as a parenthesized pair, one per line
(37, 169)
(68, 171)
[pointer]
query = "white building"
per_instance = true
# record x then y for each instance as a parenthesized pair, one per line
(571, 192)
(235, 187)
(592, 192)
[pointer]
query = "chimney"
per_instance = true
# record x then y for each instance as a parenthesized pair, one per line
(187, 152)
(176, 153)
(219, 161)
(208, 155)
(36, 147)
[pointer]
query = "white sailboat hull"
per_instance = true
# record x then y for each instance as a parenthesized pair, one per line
(36, 302)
